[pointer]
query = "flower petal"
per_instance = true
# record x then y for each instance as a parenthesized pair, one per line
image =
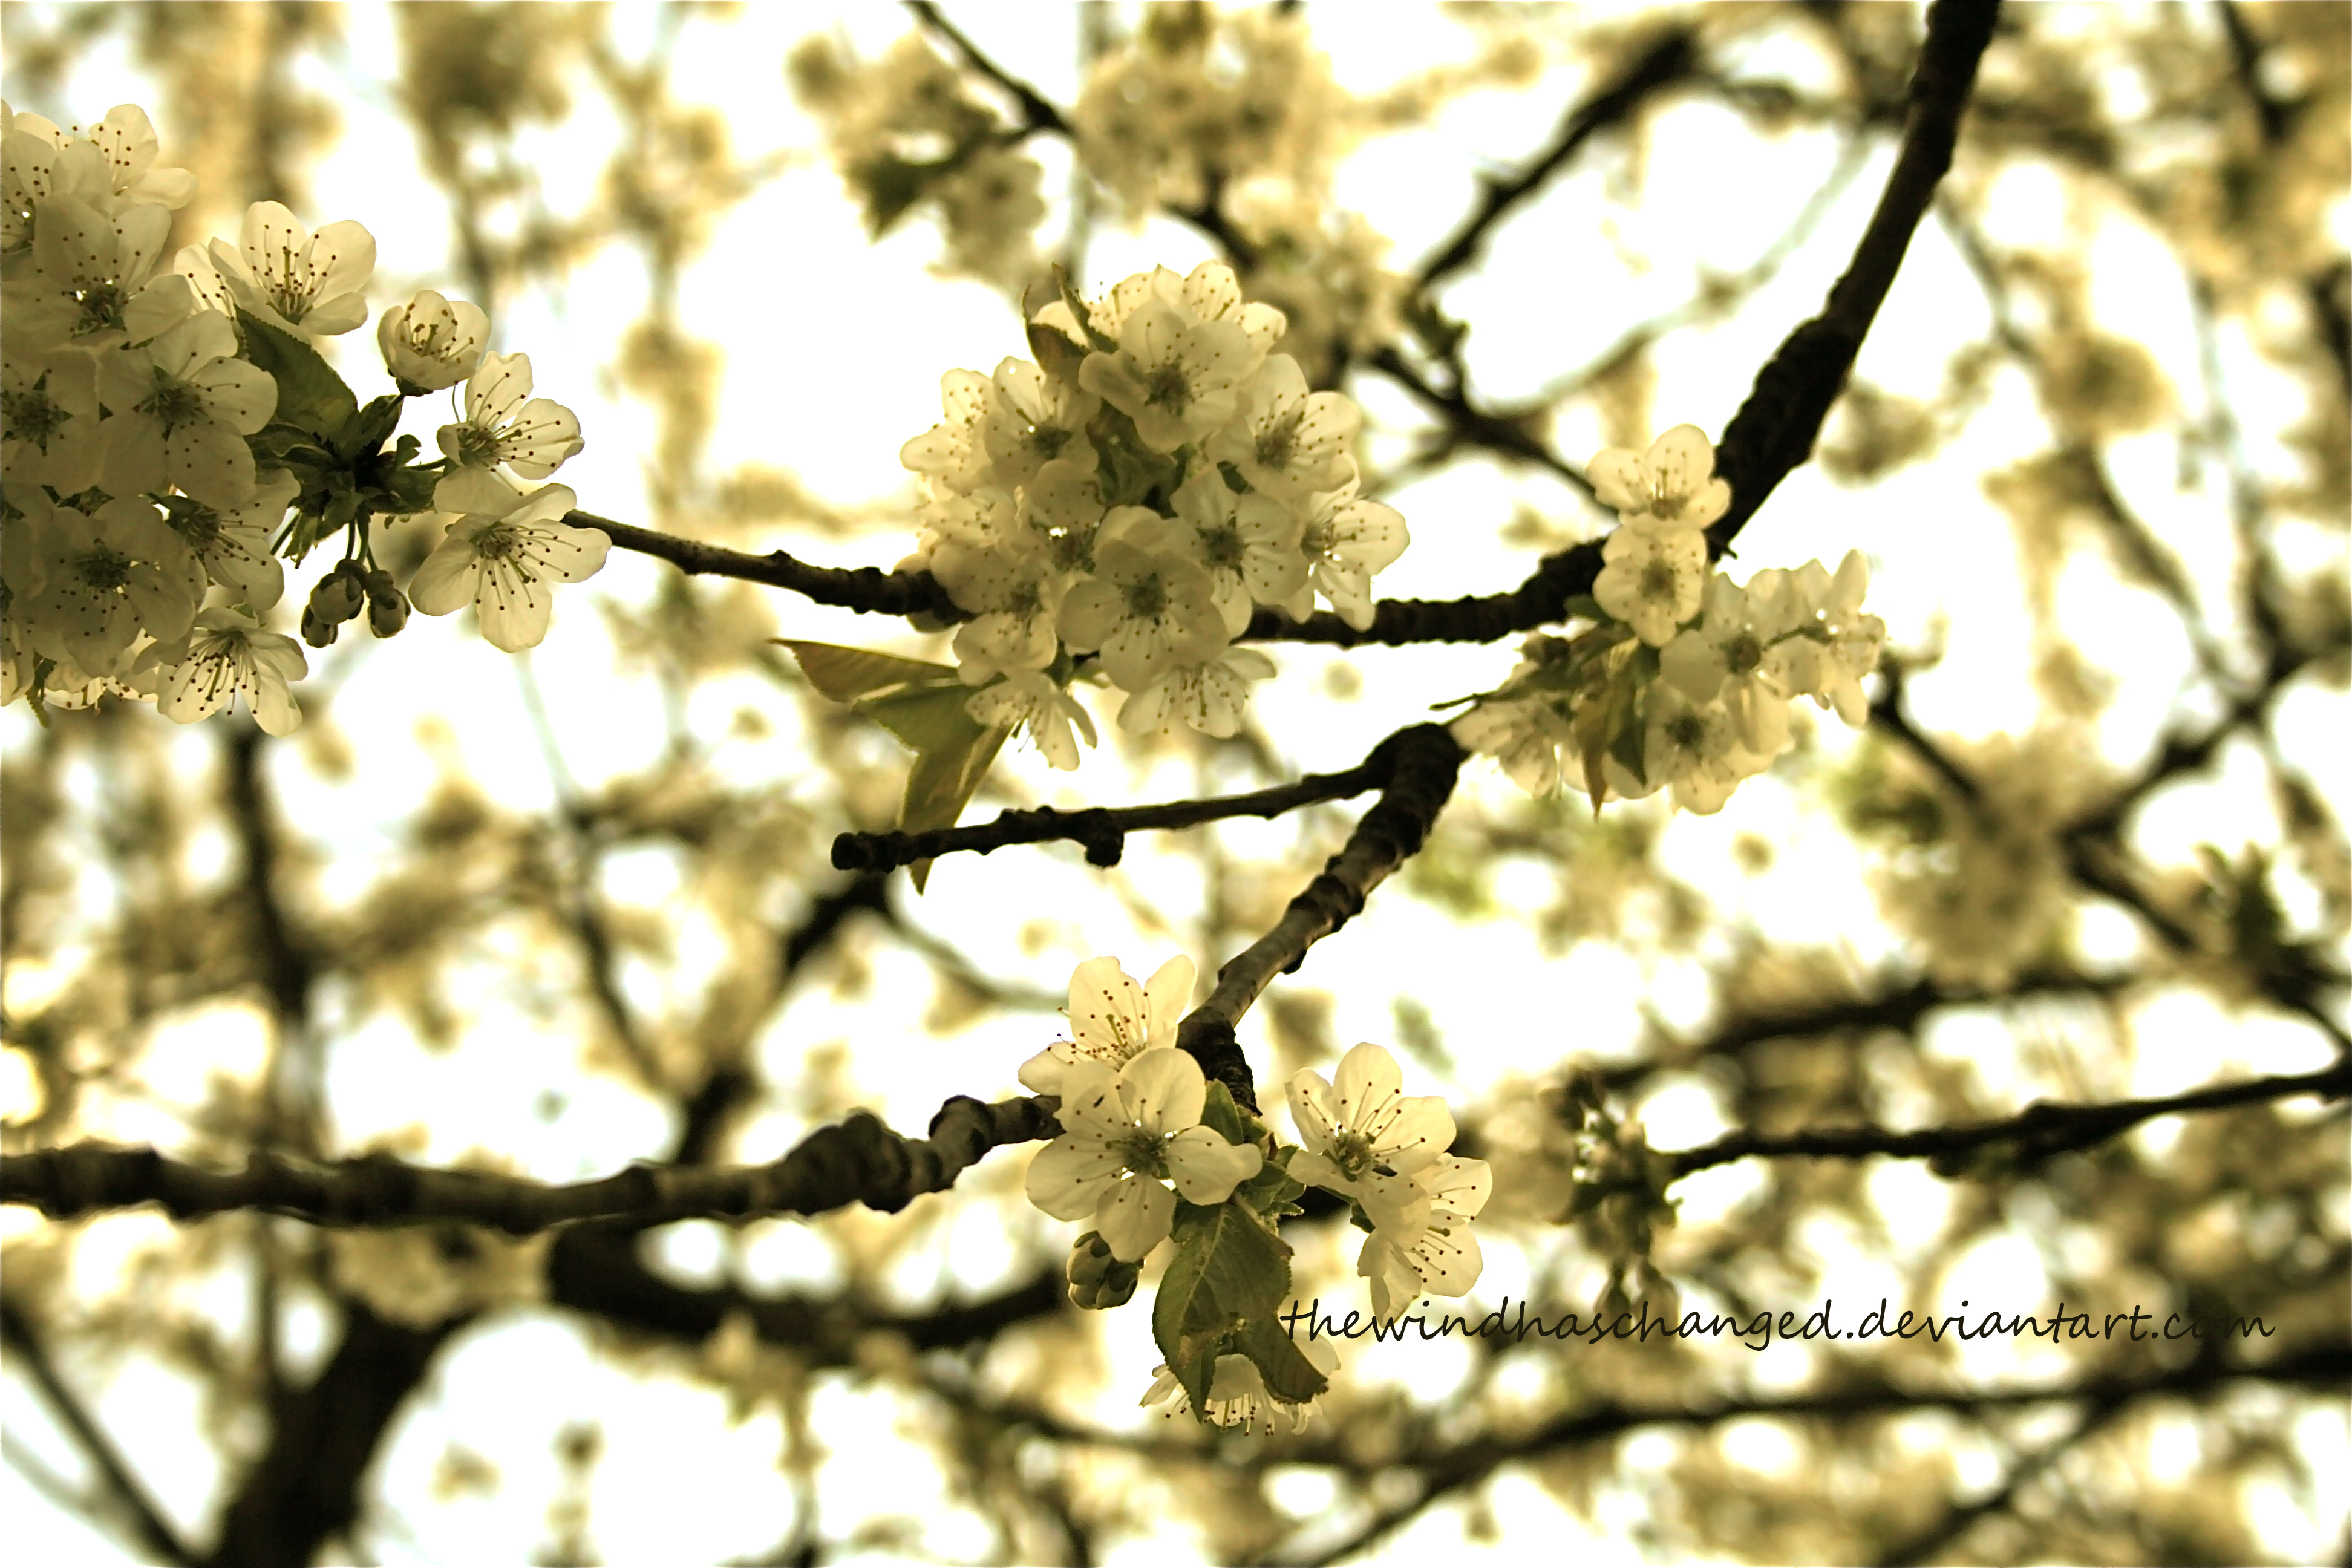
(1069, 1176)
(1163, 1090)
(1134, 1217)
(1206, 1169)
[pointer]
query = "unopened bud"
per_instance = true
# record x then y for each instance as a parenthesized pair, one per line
(387, 607)
(1097, 1279)
(338, 596)
(316, 632)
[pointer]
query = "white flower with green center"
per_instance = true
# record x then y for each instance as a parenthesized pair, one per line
(1238, 1398)
(295, 279)
(183, 406)
(1432, 1252)
(1696, 747)
(1742, 654)
(1130, 1134)
(1035, 419)
(233, 543)
(432, 342)
(1113, 1020)
(1525, 734)
(953, 452)
(1652, 582)
(1150, 608)
(1848, 642)
(1210, 697)
(91, 283)
(48, 421)
(227, 657)
(1178, 379)
(1671, 486)
(502, 553)
(1346, 541)
(1248, 542)
(533, 438)
(1365, 1139)
(105, 579)
(1291, 442)
(1029, 700)
(1014, 594)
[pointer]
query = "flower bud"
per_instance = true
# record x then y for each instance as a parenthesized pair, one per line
(1097, 1279)
(387, 609)
(338, 596)
(432, 342)
(316, 632)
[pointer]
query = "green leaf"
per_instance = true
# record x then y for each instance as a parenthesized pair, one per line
(1289, 1374)
(364, 433)
(1096, 340)
(1583, 606)
(847, 674)
(311, 396)
(1229, 1268)
(924, 705)
(1220, 1113)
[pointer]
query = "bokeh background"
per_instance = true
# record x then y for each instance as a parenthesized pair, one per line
(551, 913)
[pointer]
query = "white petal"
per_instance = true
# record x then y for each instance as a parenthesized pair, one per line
(1206, 1169)
(1311, 1110)
(1163, 1090)
(1069, 1176)
(1108, 1017)
(1361, 1090)
(1134, 1217)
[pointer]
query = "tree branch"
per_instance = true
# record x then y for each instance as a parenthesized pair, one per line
(1036, 112)
(2037, 1133)
(2321, 1366)
(1427, 761)
(147, 1521)
(1104, 829)
(866, 589)
(1774, 431)
(855, 1161)
(1668, 60)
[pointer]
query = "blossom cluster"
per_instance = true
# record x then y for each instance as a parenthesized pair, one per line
(1133, 495)
(168, 431)
(1133, 1107)
(1686, 680)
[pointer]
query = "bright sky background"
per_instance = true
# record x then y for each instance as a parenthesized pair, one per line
(834, 350)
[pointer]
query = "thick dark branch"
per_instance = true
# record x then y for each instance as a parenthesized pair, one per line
(1774, 431)
(855, 1161)
(1036, 112)
(146, 1519)
(304, 1488)
(2035, 1133)
(1103, 830)
(1427, 761)
(868, 589)
(1667, 62)
(2320, 1367)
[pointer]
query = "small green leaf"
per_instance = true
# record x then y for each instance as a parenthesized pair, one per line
(1289, 1374)
(1220, 1113)
(847, 674)
(311, 396)
(364, 433)
(1228, 1268)
(1096, 340)
(1585, 608)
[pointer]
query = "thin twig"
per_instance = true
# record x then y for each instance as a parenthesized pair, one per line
(1103, 830)
(867, 589)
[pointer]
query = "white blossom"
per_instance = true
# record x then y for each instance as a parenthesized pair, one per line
(1113, 1019)
(432, 342)
(1130, 1133)
(1290, 442)
(501, 555)
(182, 407)
(1346, 541)
(1248, 542)
(533, 438)
(1209, 696)
(49, 432)
(295, 279)
(229, 657)
(1178, 379)
(1033, 419)
(1362, 1138)
(1238, 1399)
(234, 543)
(1150, 606)
(1652, 582)
(92, 283)
(1030, 701)
(107, 578)
(1671, 486)
(1435, 1253)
